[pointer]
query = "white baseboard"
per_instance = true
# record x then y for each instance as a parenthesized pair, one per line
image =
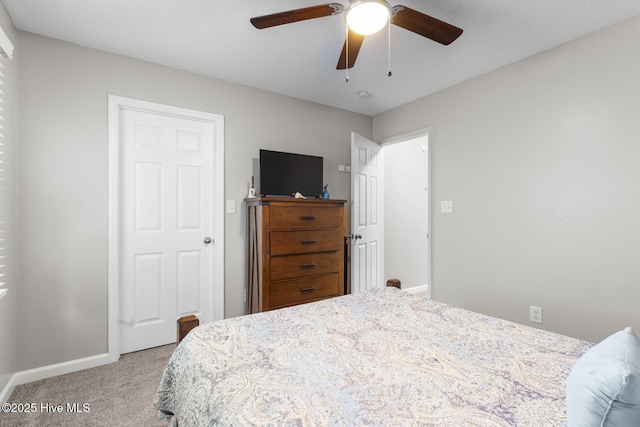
(417, 289)
(49, 371)
(8, 389)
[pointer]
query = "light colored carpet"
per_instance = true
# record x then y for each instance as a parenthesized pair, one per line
(118, 394)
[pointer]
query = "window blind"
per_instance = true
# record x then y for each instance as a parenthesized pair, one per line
(3, 183)
(6, 53)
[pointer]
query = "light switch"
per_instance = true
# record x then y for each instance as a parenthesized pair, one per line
(231, 206)
(446, 206)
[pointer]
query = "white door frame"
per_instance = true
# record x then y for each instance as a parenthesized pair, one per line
(428, 132)
(115, 105)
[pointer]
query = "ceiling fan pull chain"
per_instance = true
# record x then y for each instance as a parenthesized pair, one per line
(346, 56)
(389, 49)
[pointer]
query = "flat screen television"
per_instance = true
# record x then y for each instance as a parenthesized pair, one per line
(284, 174)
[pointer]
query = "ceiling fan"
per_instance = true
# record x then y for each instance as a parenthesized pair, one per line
(365, 17)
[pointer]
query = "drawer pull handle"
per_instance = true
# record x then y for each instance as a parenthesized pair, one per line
(310, 265)
(308, 242)
(307, 218)
(306, 290)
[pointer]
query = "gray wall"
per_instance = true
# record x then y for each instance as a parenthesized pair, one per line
(62, 179)
(9, 302)
(541, 159)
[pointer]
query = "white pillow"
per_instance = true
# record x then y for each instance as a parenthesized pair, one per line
(603, 388)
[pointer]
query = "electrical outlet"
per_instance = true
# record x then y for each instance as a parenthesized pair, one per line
(446, 206)
(535, 314)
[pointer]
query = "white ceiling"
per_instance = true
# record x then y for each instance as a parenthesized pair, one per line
(215, 38)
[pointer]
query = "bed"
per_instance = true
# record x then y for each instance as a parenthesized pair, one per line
(380, 358)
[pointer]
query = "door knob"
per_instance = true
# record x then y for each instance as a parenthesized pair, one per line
(207, 240)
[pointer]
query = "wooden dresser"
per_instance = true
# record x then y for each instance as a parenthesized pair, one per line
(296, 251)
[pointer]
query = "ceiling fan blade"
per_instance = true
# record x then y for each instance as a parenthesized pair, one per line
(425, 25)
(355, 42)
(296, 15)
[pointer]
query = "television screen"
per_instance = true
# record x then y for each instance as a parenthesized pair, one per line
(284, 174)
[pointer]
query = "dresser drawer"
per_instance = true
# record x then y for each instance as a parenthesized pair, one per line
(292, 266)
(305, 241)
(300, 217)
(301, 290)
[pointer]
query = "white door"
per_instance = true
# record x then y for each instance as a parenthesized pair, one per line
(367, 248)
(166, 226)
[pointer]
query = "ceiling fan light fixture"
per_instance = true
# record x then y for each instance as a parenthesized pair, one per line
(368, 16)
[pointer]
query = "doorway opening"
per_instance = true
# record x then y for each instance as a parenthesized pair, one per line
(406, 210)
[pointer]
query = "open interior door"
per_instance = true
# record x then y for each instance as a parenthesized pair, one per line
(367, 231)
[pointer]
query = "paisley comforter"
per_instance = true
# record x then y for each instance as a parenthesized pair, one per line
(381, 358)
